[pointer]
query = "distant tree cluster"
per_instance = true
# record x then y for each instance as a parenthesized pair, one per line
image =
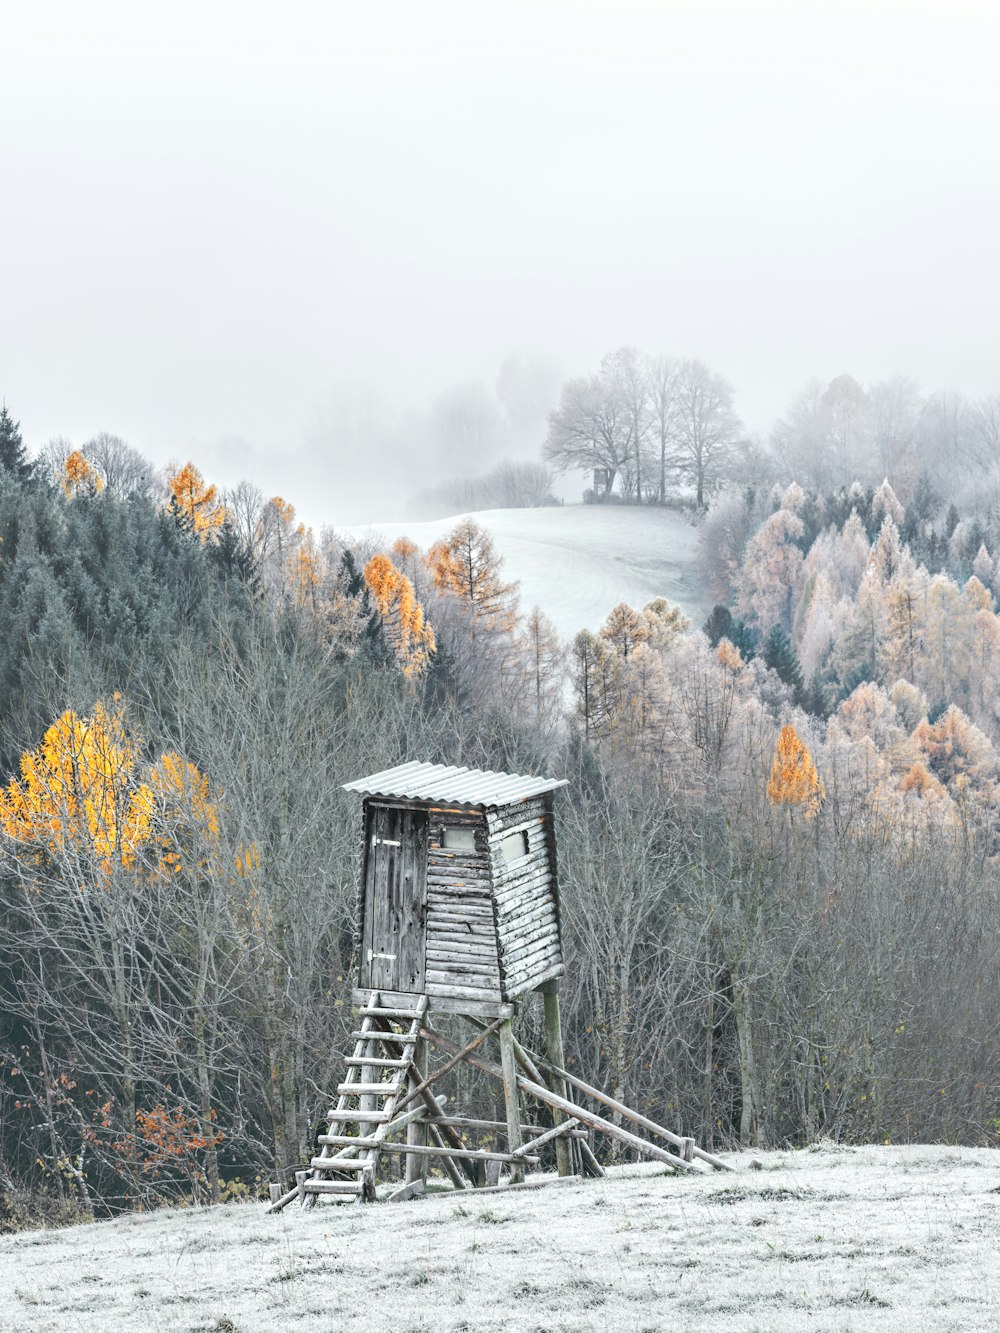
(891, 431)
(510, 485)
(652, 424)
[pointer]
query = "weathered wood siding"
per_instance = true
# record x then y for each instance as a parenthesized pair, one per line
(462, 962)
(525, 896)
(392, 944)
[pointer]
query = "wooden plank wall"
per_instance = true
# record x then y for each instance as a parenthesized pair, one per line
(462, 962)
(525, 895)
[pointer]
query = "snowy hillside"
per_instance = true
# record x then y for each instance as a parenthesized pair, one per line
(880, 1239)
(578, 561)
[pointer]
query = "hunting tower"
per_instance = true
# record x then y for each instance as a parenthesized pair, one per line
(458, 896)
(458, 914)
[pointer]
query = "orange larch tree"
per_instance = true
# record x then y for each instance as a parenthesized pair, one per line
(466, 565)
(794, 782)
(196, 503)
(80, 477)
(406, 628)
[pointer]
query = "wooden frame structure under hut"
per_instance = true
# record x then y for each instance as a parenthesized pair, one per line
(458, 916)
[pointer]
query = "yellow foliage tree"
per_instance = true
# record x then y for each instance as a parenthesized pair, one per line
(187, 815)
(466, 564)
(80, 477)
(409, 635)
(307, 571)
(794, 782)
(78, 793)
(625, 630)
(196, 503)
(80, 796)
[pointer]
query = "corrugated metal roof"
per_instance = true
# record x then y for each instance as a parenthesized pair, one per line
(418, 781)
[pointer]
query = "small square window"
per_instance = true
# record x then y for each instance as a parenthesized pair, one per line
(514, 846)
(458, 839)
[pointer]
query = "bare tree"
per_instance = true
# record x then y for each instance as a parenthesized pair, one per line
(591, 428)
(661, 380)
(626, 376)
(707, 427)
(895, 408)
(466, 423)
(124, 470)
(984, 431)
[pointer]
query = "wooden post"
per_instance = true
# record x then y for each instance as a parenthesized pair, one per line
(554, 1050)
(416, 1163)
(507, 1065)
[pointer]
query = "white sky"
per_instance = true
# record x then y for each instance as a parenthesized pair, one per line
(215, 216)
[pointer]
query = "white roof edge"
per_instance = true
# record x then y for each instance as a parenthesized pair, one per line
(424, 781)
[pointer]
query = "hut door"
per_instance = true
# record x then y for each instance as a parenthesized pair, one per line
(395, 900)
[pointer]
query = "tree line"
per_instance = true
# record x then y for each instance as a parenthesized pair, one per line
(780, 921)
(659, 427)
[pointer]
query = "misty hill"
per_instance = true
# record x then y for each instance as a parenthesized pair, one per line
(830, 1238)
(578, 561)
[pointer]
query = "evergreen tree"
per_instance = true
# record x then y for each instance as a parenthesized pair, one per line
(722, 624)
(819, 697)
(13, 458)
(232, 557)
(780, 657)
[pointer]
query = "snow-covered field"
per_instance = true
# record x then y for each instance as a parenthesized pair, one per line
(578, 561)
(880, 1239)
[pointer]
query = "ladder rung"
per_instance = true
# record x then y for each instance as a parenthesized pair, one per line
(407, 1038)
(332, 1187)
(338, 1163)
(384, 1061)
(329, 1163)
(391, 1013)
(347, 1141)
(367, 1089)
(359, 1117)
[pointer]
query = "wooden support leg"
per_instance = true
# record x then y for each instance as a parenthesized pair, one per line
(554, 1050)
(507, 1064)
(416, 1163)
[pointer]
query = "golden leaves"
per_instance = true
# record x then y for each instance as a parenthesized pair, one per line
(82, 798)
(466, 565)
(794, 781)
(195, 501)
(407, 631)
(80, 477)
(78, 794)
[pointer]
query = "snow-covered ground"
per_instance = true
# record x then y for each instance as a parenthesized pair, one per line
(885, 1240)
(578, 561)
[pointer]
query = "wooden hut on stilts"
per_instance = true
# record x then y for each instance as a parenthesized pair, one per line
(458, 914)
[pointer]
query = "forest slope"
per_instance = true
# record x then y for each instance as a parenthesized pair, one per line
(830, 1239)
(578, 561)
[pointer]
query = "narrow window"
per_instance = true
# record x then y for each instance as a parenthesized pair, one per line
(458, 839)
(514, 846)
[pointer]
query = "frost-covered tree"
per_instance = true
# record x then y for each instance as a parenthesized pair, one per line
(661, 380)
(13, 455)
(706, 429)
(594, 425)
(769, 582)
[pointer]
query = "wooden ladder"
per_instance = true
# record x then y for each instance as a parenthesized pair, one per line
(366, 1102)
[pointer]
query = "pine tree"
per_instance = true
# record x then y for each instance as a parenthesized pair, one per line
(779, 655)
(13, 458)
(722, 624)
(231, 556)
